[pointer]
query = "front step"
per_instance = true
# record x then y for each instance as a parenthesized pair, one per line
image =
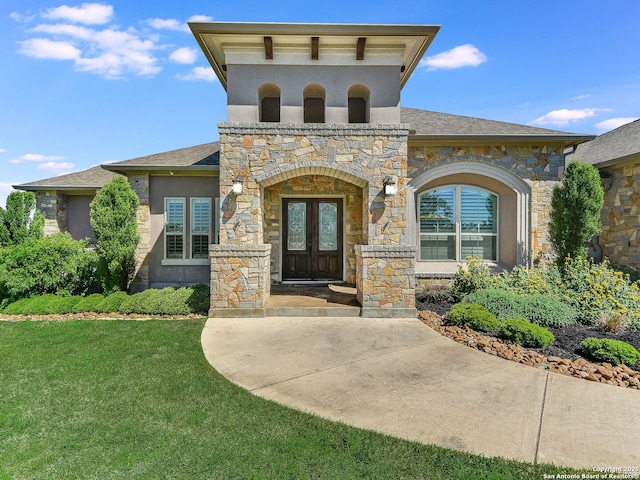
(342, 311)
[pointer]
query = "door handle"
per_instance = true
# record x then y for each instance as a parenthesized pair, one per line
(309, 247)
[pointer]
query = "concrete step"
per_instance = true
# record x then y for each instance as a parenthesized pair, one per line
(300, 311)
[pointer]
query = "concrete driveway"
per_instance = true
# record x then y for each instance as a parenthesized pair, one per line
(399, 377)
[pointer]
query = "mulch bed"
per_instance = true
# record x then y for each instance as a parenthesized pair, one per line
(563, 356)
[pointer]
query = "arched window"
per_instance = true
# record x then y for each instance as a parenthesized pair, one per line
(269, 94)
(458, 221)
(314, 103)
(358, 104)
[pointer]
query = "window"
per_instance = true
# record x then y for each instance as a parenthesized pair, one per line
(313, 104)
(190, 241)
(269, 102)
(174, 227)
(200, 227)
(358, 104)
(457, 222)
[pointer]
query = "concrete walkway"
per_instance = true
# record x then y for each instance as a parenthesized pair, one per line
(399, 377)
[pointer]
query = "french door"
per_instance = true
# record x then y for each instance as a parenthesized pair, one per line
(312, 239)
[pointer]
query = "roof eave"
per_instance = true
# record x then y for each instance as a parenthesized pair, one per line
(40, 188)
(466, 139)
(163, 168)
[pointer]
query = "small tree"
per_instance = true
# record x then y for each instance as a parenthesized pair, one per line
(20, 220)
(575, 211)
(113, 218)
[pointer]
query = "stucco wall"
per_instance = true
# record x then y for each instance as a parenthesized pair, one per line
(78, 217)
(176, 186)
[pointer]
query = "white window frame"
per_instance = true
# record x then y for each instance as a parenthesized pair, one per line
(170, 234)
(458, 224)
(192, 222)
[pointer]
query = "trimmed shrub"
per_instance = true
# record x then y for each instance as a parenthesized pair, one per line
(608, 350)
(48, 304)
(473, 316)
(112, 303)
(90, 303)
(544, 310)
(168, 301)
(527, 334)
(200, 299)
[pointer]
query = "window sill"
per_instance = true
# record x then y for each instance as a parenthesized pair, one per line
(189, 262)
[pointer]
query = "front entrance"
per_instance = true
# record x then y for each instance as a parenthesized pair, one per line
(312, 239)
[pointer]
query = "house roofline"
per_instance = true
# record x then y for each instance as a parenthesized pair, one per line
(565, 140)
(163, 168)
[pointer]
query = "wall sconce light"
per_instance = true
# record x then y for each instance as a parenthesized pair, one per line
(237, 185)
(390, 187)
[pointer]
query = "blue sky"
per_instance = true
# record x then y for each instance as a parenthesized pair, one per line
(85, 83)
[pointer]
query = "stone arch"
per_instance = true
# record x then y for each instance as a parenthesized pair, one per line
(285, 172)
(484, 173)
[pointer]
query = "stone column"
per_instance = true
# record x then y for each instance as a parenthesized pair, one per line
(53, 206)
(240, 280)
(385, 283)
(140, 184)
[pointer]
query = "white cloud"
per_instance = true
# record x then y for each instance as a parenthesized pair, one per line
(57, 166)
(462, 56)
(51, 49)
(5, 190)
(184, 55)
(580, 97)
(36, 157)
(66, 30)
(614, 123)
(17, 17)
(3, 150)
(566, 116)
(167, 24)
(200, 73)
(200, 18)
(87, 13)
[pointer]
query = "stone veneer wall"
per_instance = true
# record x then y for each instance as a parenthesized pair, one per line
(620, 217)
(386, 276)
(140, 184)
(265, 154)
(53, 206)
(240, 283)
(539, 166)
(318, 186)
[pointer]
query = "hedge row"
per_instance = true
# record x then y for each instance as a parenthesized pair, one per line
(168, 301)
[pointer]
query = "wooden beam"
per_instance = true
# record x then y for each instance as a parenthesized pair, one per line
(315, 47)
(268, 48)
(360, 48)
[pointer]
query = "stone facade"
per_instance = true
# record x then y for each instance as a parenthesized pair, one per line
(318, 186)
(240, 280)
(540, 167)
(386, 280)
(53, 206)
(355, 158)
(140, 184)
(621, 217)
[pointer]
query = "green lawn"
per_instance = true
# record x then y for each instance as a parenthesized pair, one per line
(126, 399)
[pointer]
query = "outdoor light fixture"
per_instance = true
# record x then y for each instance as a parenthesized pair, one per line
(237, 185)
(390, 187)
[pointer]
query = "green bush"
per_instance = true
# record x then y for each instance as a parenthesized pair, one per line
(613, 351)
(474, 276)
(89, 303)
(53, 264)
(544, 310)
(527, 334)
(473, 316)
(168, 301)
(593, 288)
(47, 304)
(200, 299)
(112, 303)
